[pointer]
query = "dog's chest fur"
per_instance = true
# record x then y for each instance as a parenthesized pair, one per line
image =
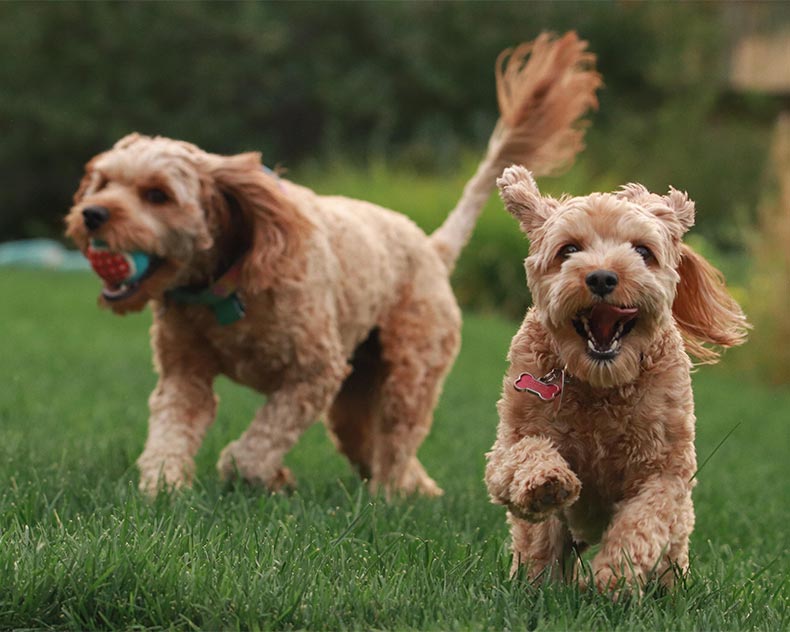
(252, 352)
(614, 443)
(285, 335)
(255, 359)
(608, 438)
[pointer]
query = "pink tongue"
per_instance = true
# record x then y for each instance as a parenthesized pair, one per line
(604, 319)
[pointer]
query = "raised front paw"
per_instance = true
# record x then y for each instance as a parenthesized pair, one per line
(536, 493)
(236, 461)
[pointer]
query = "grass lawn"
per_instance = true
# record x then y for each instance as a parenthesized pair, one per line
(80, 549)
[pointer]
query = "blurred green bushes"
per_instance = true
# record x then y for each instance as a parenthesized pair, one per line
(768, 299)
(319, 83)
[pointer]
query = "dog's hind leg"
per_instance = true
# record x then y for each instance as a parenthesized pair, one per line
(419, 342)
(352, 417)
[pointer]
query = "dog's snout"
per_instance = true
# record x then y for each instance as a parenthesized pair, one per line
(95, 216)
(601, 282)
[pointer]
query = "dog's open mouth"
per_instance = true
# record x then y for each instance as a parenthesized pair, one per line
(603, 327)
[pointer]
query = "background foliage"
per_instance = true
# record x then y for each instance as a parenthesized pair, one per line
(386, 101)
(320, 82)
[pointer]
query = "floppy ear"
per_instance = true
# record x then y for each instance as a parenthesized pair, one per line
(704, 310)
(522, 198)
(276, 226)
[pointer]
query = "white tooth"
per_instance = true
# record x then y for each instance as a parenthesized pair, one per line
(590, 345)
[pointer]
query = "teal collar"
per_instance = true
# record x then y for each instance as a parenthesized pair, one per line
(222, 296)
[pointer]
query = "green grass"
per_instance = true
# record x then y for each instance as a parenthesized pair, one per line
(80, 549)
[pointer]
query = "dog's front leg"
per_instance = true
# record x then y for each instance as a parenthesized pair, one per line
(257, 455)
(182, 408)
(544, 548)
(534, 482)
(647, 537)
(530, 478)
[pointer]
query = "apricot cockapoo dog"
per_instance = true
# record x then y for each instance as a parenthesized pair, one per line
(332, 307)
(596, 434)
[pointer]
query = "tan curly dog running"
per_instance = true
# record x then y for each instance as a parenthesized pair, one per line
(596, 434)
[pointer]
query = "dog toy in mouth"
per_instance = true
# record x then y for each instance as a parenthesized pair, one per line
(117, 268)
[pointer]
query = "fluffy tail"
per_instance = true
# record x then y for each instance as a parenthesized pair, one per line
(543, 88)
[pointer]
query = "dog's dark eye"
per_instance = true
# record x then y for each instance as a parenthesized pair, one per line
(644, 252)
(567, 250)
(155, 196)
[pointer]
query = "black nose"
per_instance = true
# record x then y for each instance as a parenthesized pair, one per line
(94, 216)
(601, 282)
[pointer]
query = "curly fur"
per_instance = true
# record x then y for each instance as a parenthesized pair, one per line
(613, 461)
(349, 310)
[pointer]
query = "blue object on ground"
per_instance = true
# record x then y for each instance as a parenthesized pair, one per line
(41, 253)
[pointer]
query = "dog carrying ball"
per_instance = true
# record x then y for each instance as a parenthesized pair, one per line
(116, 268)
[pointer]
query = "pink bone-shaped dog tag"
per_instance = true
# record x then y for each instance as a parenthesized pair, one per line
(545, 390)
